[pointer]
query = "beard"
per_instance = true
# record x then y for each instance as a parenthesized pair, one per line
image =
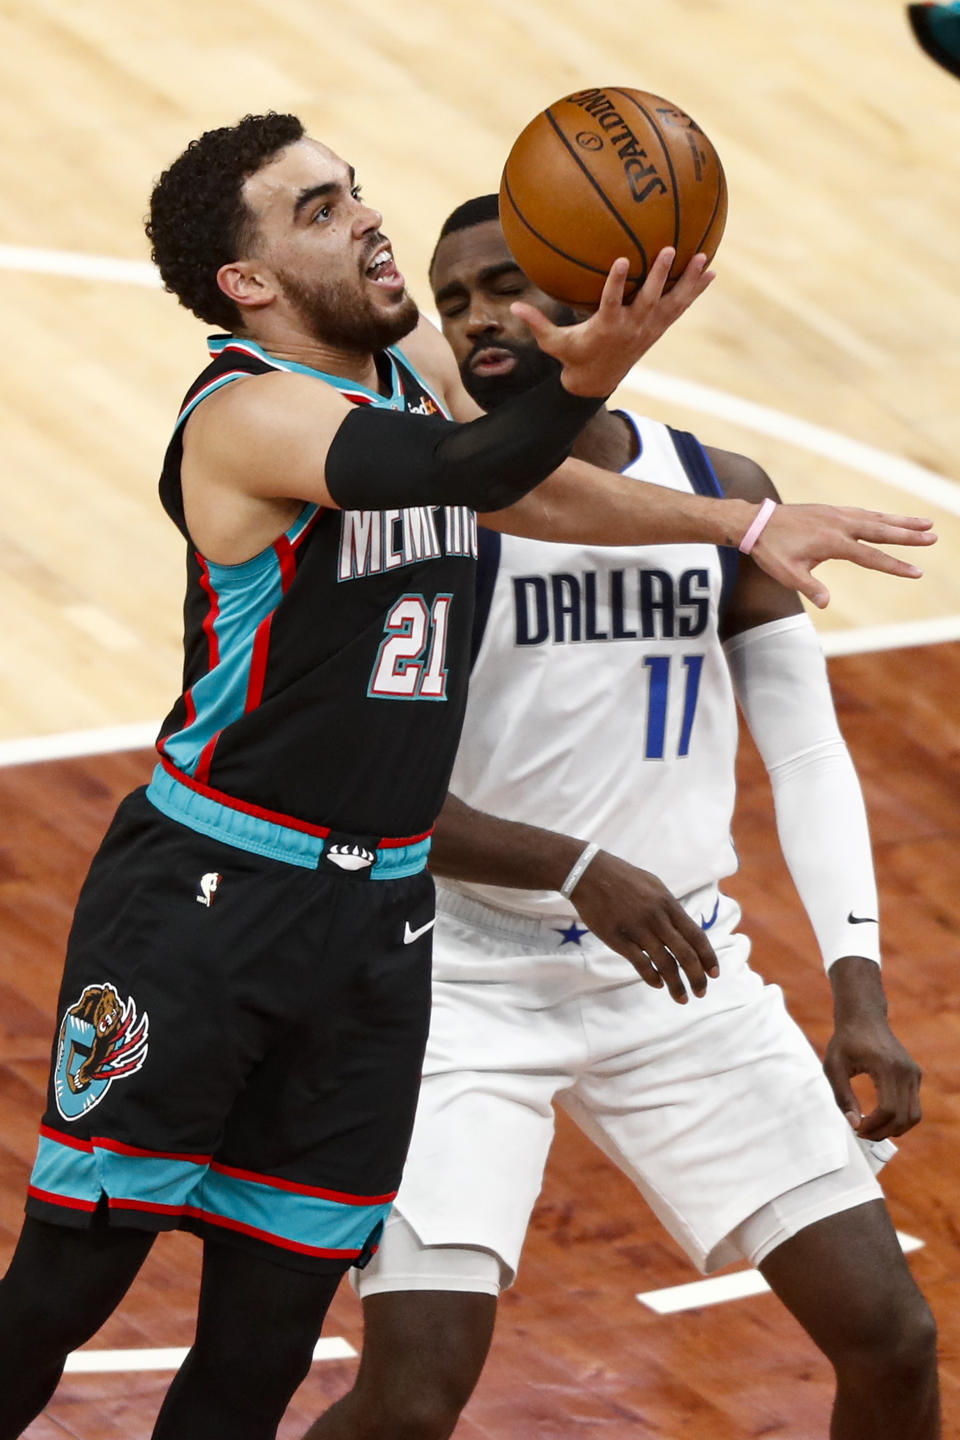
(338, 314)
(532, 366)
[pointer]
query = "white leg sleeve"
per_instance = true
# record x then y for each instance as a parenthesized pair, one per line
(780, 677)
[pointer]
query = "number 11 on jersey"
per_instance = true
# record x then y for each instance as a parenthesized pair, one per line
(411, 661)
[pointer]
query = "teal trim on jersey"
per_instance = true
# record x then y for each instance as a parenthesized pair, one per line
(217, 384)
(246, 595)
(396, 862)
(394, 401)
(396, 354)
(63, 1170)
(232, 827)
(267, 837)
(311, 1221)
(174, 1187)
(160, 1180)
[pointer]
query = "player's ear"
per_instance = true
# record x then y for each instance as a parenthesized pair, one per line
(246, 284)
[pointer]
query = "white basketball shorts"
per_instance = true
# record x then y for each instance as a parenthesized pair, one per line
(718, 1110)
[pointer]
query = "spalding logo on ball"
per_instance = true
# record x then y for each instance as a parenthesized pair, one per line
(608, 172)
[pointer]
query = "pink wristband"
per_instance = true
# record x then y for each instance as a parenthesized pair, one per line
(757, 526)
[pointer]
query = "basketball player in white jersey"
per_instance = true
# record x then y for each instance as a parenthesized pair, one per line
(601, 736)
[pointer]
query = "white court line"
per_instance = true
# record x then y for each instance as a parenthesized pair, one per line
(915, 479)
(720, 1288)
(899, 635)
(99, 1362)
(79, 266)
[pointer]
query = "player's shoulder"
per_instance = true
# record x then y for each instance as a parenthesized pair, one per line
(272, 399)
(740, 477)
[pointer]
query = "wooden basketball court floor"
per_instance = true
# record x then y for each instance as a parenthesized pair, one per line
(828, 349)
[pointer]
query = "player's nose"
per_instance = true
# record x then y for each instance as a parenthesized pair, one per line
(482, 319)
(366, 219)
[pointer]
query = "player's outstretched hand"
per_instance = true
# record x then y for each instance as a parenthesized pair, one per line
(635, 914)
(799, 537)
(863, 1044)
(598, 353)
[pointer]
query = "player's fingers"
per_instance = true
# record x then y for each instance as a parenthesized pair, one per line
(898, 1089)
(652, 288)
(695, 279)
(667, 968)
(869, 558)
(797, 578)
(843, 1091)
(898, 522)
(692, 951)
(639, 959)
(611, 297)
(543, 329)
(880, 1124)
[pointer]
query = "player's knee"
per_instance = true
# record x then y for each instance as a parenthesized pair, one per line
(895, 1347)
(426, 1410)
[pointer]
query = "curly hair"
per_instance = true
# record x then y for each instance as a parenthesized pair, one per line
(198, 219)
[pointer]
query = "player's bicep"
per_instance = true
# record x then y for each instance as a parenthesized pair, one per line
(267, 437)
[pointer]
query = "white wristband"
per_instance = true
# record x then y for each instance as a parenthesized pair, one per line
(573, 879)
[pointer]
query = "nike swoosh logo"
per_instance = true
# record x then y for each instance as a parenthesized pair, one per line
(410, 935)
(706, 924)
(861, 919)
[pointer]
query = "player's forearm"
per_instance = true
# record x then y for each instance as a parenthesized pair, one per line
(471, 845)
(781, 683)
(580, 503)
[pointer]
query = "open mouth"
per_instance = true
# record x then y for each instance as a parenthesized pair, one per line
(493, 362)
(383, 272)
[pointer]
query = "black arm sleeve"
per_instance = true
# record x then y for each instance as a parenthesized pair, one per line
(385, 458)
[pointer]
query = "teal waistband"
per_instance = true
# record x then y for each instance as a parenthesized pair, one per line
(266, 837)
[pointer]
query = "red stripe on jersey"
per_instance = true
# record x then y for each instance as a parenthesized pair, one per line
(388, 842)
(153, 1207)
(342, 1197)
(73, 1141)
(206, 758)
(212, 614)
(289, 822)
(258, 668)
(214, 385)
(68, 1201)
(280, 1240)
(102, 1142)
(287, 561)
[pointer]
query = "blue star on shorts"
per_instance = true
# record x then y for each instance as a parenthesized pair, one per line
(573, 935)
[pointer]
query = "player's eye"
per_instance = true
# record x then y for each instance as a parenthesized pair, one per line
(453, 309)
(323, 213)
(357, 192)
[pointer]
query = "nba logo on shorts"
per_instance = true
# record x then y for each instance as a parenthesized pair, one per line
(101, 1040)
(209, 885)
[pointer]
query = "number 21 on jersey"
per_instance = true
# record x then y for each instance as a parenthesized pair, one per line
(411, 661)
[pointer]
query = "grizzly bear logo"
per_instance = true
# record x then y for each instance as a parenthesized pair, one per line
(101, 1040)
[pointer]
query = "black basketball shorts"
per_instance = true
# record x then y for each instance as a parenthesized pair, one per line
(239, 1045)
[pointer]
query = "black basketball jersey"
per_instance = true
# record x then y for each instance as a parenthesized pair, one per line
(325, 679)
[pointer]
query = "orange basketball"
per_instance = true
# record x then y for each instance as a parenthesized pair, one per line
(608, 172)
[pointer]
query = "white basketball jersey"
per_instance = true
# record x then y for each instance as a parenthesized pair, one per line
(600, 702)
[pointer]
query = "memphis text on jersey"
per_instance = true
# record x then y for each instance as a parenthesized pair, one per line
(374, 541)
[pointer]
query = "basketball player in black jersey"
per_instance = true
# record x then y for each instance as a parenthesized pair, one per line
(244, 1003)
